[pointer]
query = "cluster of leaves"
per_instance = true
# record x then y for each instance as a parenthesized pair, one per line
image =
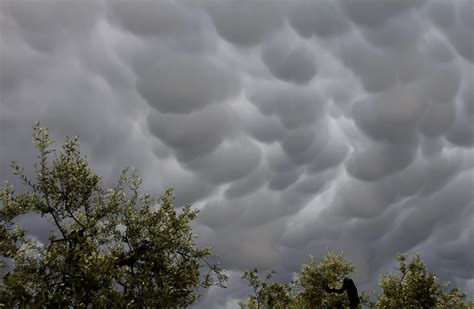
(266, 295)
(113, 247)
(329, 272)
(307, 290)
(413, 287)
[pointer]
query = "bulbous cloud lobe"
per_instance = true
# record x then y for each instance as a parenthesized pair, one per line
(245, 23)
(322, 18)
(185, 84)
(294, 126)
(289, 62)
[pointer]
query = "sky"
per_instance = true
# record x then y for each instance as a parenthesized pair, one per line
(294, 126)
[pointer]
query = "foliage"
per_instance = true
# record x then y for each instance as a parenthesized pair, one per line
(329, 272)
(113, 247)
(307, 290)
(266, 295)
(415, 287)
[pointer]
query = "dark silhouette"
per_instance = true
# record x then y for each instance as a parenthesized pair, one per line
(348, 286)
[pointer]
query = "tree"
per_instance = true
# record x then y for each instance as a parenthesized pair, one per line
(415, 287)
(266, 295)
(314, 279)
(307, 290)
(113, 247)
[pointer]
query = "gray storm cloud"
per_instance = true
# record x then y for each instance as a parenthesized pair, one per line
(294, 126)
(245, 23)
(184, 84)
(291, 62)
(322, 18)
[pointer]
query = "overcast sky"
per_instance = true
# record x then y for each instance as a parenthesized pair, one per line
(295, 126)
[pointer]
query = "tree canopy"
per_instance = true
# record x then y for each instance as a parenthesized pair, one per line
(414, 287)
(306, 290)
(113, 247)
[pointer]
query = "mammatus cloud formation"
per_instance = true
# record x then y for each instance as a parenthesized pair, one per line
(295, 126)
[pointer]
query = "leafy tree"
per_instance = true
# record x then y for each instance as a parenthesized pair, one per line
(308, 288)
(114, 247)
(415, 287)
(329, 272)
(266, 295)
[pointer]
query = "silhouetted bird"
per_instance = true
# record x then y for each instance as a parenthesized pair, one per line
(348, 286)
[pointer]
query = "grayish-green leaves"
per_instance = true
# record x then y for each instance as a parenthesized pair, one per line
(114, 247)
